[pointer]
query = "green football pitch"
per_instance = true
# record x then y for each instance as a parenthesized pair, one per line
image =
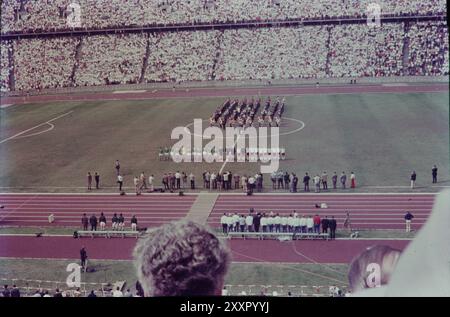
(381, 137)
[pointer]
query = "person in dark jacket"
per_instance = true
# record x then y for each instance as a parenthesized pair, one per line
(6, 292)
(257, 222)
(92, 294)
(57, 293)
(325, 222)
(413, 179)
(97, 180)
(84, 222)
(15, 292)
(83, 258)
(306, 182)
(334, 180)
(93, 221)
(332, 225)
(434, 171)
(408, 218)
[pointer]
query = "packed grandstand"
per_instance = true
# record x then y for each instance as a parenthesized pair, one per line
(125, 43)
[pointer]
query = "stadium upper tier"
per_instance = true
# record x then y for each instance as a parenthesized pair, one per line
(46, 15)
(351, 50)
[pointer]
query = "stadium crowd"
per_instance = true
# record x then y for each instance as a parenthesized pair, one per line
(354, 50)
(38, 15)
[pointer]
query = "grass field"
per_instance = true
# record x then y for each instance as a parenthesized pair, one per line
(242, 276)
(381, 137)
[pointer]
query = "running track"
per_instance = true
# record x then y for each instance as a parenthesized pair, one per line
(338, 251)
(374, 211)
(367, 211)
(227, 91)
(34, 209)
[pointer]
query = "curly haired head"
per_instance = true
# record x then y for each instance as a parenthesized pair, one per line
(181, 258)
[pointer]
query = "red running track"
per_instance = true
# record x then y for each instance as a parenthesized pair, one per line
(367, 211)
(338, 251)
(33, 210)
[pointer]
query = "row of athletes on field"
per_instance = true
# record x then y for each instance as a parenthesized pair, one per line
(274, 222)
(244, 113)
(117, 222)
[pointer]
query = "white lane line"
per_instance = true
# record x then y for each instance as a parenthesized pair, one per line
(37, 126)
(9, 213)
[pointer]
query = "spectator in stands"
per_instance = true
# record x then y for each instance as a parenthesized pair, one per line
(15, 292)
(93, 222)
(134, 223)
(363, 265)
(413, 179)
(92, 294)
(181, 258)
(85, 222)
(128, 293)
(117, 292)
(408, 218)
(57, 293)
(6, 292)
(332, 224)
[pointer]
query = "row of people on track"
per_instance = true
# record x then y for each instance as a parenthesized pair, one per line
(274, 222)
(117, 222)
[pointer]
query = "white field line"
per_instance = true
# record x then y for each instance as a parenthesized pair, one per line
(37, 126)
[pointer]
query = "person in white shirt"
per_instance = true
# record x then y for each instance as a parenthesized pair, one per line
(270, 223)
(224, 223)
(310, 224)
(230, 222)
(151, 179)
(136, 184)
(249, 223)
(251, 183)
(236, 222)
(295, 214)
(303, 223)
(277, 222)
(291, 223)
(264, 223)
(242, 223)
(117, 292)
(213, 181)
(244, 183)
(178, 179)
(317, 183)
(120, 181)
(284, 223)
(297, 225)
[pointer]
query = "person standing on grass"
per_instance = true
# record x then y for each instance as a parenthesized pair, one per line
(136, 184)
(93, 222)
(83, 257)
(143, 179)
(97, 180)
(184, 180)
(325, 180)
(236, 181)
(89, 180)
(192, 180)
(151, 179)
(332, 225)
(343, 180)
(178, 180)
(102, 221)
(408, 218)
(317, 183)
(117, 167)
(165, 181)
(120, 181)
(334, 180)
(353, 180)
(306, 182)
(413, 179)
(434, 171)
(85, 222)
